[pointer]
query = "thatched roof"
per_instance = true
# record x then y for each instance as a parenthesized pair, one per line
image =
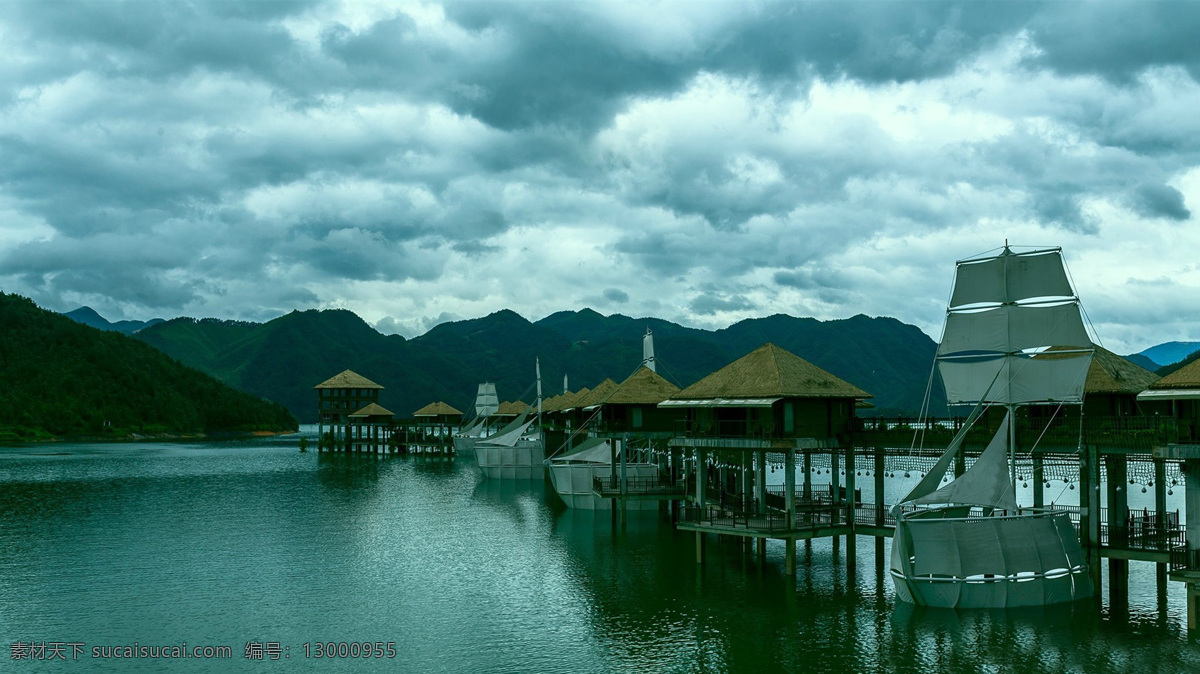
(1111, 373)
(438, 409)
(770, 372)
(372, 410)
(550, 404)
(510, 409)
(569, 399)
(347, 379)
(597, 395)
(643, 387)
(1187, 376)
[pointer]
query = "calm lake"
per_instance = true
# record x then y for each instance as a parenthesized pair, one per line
(224, 544)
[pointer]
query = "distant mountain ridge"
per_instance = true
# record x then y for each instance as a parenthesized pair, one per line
(88, 316)
(1167, 353)
(284, 358)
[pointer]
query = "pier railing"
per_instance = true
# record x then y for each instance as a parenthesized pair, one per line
(609, 485)
(771, 521)
(1185, 560)
(1128, 432)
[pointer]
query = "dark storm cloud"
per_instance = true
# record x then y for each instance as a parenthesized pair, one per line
(710, 303)
(1117, 40)
(227, 154)
(1160, 201)
(616, 295)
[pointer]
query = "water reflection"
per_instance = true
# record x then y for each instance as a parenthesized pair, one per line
(169, 542)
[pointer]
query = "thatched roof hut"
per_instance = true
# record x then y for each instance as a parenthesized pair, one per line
(347, 379)
(374, 411)
(770, 372)
(437, 409)
(569, 400)
(1186, 377)
(643, 387)
(1111, 373)
(596, 395)
(510, 409)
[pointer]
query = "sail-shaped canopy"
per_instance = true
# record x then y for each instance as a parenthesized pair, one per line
(509, 435)
(985, 483)
(590, 451)
(486, 401)
(475, 430)
(1014, 318)
(648, 351)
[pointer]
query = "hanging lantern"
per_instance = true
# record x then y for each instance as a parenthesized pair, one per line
(1170, 492)
(1143, 490)
(1024, 485)
(1071, 487)
(906, 474)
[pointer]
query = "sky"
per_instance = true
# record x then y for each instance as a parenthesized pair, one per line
(702, 162)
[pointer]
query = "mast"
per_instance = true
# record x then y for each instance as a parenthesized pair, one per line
(537, 367)
(1012, 408)
(648, 351)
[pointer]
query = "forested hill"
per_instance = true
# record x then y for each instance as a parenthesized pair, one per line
(284, 358)
(62, 379)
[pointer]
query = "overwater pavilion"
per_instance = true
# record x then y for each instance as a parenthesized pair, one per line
(630, 412)
(433, 426)
(370, 430)
(337, 398)
(769, 402)
(1178, 395)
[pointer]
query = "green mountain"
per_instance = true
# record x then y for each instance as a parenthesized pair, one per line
(64, 379)
(284, 358)
(1170, 353)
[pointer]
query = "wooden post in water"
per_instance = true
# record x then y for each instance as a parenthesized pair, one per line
(701, 479)
(851, 508)
(1091, 490)
(1160, 523)
(880, 505)
(789, 495)
(1117, 472)
(1039, 482)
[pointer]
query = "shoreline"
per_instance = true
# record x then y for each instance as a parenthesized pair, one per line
(149, 437)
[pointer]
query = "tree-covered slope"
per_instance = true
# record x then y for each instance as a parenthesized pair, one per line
(284, 358)
(60, 378)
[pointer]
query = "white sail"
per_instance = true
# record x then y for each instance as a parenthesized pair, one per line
(486, 401)
(1011, 277)
(508, 437)
(475, 430)
(1014, 318)
(648, 351)
(986, 483)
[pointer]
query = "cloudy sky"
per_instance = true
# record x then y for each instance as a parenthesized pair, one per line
(702, 162)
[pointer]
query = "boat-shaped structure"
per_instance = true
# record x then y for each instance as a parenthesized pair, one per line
(515, 452)
(1014, 336)
(486, 404)
(573, 474)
